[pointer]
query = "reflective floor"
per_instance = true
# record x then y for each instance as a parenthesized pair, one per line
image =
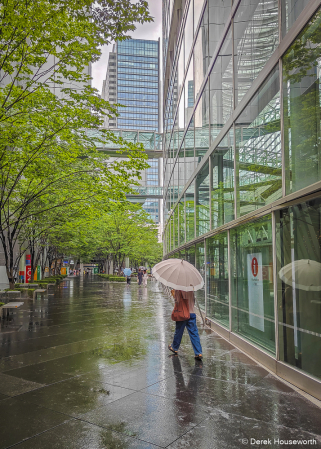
(88, 367)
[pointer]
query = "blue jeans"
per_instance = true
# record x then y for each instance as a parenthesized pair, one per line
(193, 334)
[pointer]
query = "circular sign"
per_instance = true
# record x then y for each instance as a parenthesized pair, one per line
(254, 266)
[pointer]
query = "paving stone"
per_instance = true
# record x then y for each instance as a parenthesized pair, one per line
(98, 352)
(81, 435)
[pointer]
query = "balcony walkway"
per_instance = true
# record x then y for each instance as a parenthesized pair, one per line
(89, 368)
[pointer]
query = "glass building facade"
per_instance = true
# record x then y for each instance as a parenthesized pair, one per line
(132, 80)
(242, 171)
(138, 84)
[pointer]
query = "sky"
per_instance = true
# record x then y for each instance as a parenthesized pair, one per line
(150, 31)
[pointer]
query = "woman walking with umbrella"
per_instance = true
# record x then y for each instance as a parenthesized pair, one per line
(184, 279)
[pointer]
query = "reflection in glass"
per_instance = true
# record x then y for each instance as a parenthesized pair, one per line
(189, 93)
(291, 10)
(181, 170)
(198, 5)
(190, 212)
(190, 159)
(221, 88)
(298, 240)
(256, 36)
(222, 181)
(218, 14)
(217, 278)
(181, 67)
(176, 227)
(201, 120)
(190, 255)
(258, 149)
(202, 201)
(252, 282)
(189, 34)
(181, 223)
(201, 59)
(301, 87)
(200, 265)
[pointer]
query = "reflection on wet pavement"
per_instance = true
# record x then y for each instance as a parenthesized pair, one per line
(89, 368)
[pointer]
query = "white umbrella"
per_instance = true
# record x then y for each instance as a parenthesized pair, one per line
(304, 274)
(178, 274)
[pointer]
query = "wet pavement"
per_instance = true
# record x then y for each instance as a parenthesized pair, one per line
(88, 367)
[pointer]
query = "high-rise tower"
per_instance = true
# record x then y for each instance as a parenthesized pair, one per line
(132, 80)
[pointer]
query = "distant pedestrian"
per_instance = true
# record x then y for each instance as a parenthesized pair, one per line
(145, 277)
(140, 276)
(184, 305)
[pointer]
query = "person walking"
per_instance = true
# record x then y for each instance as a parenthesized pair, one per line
(185, 301)
(145, 277)
(139, 276)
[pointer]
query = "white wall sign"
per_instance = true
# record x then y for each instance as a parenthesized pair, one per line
(255, 286)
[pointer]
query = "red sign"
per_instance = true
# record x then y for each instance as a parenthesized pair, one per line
(28, 268)
(254, 266)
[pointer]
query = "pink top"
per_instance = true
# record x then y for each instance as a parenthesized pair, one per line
(188, 296)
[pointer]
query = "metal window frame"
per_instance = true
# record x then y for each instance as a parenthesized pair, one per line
(285, 43)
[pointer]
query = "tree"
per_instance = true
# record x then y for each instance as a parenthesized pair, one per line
(48, 157)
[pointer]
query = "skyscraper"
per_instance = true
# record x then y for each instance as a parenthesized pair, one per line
(132, 80)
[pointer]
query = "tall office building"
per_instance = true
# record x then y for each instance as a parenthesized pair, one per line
(132, 80)
(242, 171)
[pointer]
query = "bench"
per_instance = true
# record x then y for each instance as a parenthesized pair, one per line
(40, 291)
(10, 305)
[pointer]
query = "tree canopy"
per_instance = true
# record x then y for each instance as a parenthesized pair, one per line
(51, 118)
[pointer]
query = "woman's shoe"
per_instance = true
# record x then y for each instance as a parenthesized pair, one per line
(171, 349)
(199, 357)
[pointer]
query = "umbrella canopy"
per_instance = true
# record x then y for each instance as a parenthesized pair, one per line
(127, 271)
(304, 274)
(178, 274)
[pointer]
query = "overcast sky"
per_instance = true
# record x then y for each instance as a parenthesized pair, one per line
(150, 31)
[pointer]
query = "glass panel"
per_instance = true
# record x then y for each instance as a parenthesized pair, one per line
(189, 93)
(189, 207)
(201, 59)
(221, 88)
(189, 34)
(301, 78)
(218, 14)
(130, 136)
(181, 170)
(217, 279)
(190, 159)
(252, 282)
(222, 181)
(200, 265)
(291, 9)
(173, 233)
(181, 119)
(190, 254)
(148, 140)
(181, 224)
(258, 149)
(298, 241)
(256, 36)
(176, 227)
(181, 68)
(175, 183)
(202, 125)
(202, 190)
(198, 5)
